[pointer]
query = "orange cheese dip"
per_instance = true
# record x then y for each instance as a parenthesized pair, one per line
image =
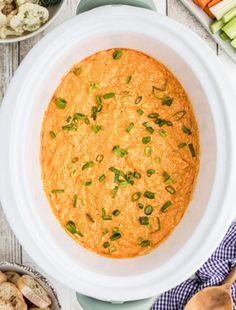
(119, 153)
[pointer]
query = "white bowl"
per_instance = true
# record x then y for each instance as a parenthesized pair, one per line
(54, 11)
(22, 270)
(27, 209)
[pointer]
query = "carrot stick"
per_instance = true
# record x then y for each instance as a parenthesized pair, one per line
(213, 3)
(202, 3)
(207, 10)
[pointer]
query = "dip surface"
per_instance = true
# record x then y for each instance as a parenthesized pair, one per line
(119, 153)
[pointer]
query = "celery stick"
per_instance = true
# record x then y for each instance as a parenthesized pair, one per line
(230, 28)
(233, 43)
(216, 25)
(224, 36)
(229, 15)
(220, 9)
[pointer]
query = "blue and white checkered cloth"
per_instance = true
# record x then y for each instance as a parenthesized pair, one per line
(213, 272)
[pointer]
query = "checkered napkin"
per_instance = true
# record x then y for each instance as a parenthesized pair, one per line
(213, 272)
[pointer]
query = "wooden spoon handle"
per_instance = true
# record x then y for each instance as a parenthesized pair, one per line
(229, 280)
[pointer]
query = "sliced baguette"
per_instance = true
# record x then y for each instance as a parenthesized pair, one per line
(5, 305)
(33, 291)
(10, 293)
(3, 277)
(12, 276)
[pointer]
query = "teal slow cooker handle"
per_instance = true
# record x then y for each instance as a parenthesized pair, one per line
(89, 303)
(86, 5)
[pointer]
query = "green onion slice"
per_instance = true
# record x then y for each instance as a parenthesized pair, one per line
(179, 115)
(166, 101)
(138, 99)
(148, 151)
(186, 130)
(150, 172)
(182, 145)
(128, 79)
(148, 210)
(136, 196)
(114, 192)
(61, 103)
(96, 128)
(192, 150)
(94, 112)
(148, 126)
(170, 189)
(77, 71)
(149, 195)
(99, 158)
(87, 165)
(119, 151)
(145, 243)
(75, 201)
(116, 212)
(140, 112)
(89, 217)
(102, 178)
(115, 236)
(105, 217)
(130, 127)
(144, 220)
(109, 95)
(153, 115)
(87, 183)
(52, 134)
(146, 140)
(57, 191)
(106, 245)
(165, 206)
(117, 54)
(163, 133)
(140, 205)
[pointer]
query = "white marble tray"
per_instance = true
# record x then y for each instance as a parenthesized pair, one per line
(206, 21)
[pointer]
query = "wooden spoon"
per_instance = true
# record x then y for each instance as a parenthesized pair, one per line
(214, 297)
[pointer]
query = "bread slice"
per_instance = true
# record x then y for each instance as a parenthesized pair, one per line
(12, 276)
(33, 291)
(5, 305)
(3, 278)
(10, 293)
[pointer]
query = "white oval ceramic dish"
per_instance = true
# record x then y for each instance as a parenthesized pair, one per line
(24, 201)
(54, 11)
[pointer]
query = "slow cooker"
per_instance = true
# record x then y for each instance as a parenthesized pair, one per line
(26, 207)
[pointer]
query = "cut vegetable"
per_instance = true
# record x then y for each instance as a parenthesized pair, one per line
(202, 3)
(221, 8)
(216, 26)
(230, 28)
(229, 15)
(233, 43)
(213, 3)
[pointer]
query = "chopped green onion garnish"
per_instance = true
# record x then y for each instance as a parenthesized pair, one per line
(61, 103)
(167, 178)
(140, 205)
(102, 178)
(149, 195)
(87, 183)
(87, 165)
(162, 133)
(77, 71)
(148, 210)
(57, 191)
(130, 127)
(144, 220)
(186, 130)
(105, 217)
(140, 112)
(75, 200)
(182, 145)
(52, 134)
(94, 111)
(146, 140)
(153, 115)
(192, 150)
(90, 218)
(138, 99)
(145, 243)
(100, 158)
(98, 100)
(150, 172)
(166, 101)
(158, 226)
(148, 151)
(82, 117)
(148, 126)
(114, 192)
(136, 196)
(70, 226)
(106, 245)
(119, 151)
(69, 118)
(109, 95)
(112, 249)
(115, 236)
(96, 128)
(116, 212)
(137, 175)
(170, 189)
(165, 206)
(93, 86)
(117, 54)
(115, 230)
(128, 79)
(179, 115)
(123, 183)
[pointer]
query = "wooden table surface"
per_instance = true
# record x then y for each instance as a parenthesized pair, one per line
(11, 56)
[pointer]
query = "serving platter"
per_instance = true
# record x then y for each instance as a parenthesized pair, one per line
(206, 21)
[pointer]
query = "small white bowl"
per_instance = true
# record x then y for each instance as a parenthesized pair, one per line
(54, 11)
(22, 269)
